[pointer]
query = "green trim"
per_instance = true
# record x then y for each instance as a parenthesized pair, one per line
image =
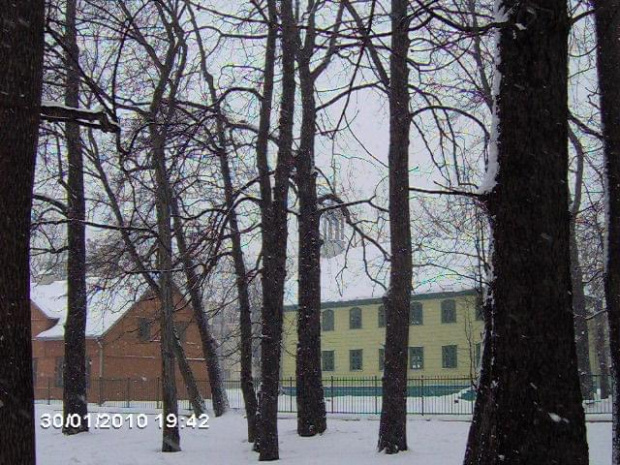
(379, 300)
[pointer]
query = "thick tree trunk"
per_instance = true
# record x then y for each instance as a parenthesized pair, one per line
(608, 56)
(74, 373)
(21, 55)
(393, 426)
(219, 398)
(262, 165)
(533, 413)
(311, 418)
(275, 237)
(475, 440)
(171, 441)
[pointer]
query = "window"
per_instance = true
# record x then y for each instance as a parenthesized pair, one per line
(327, 320)
(58, 372)
(144, 329)
(448, 357)
(356, 360)
(416, 315)
(381, 317)
(355, 318)
(381, 359)
(478, 354)
(416, 358)
(448, 311)
(328, 360)
(479, 309)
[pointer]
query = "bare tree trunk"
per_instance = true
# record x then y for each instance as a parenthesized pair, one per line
(475, 440)
(171, 440)
(21, 55)
(608, 56)
(582, 339)
(600, 342)
(275, 237)
(393, 426)
(209, 345)
(195, 399)
(245, 313)
(533, 413)
(311, 417)
(74, 372)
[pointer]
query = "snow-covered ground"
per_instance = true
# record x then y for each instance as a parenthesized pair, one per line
(348, 441)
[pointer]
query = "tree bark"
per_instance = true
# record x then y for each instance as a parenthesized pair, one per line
(171, 441)
(21, 55)
(74, 372)
(533, 413)
(311, 419)
(393, 426)
(608, 56)
(275, 238)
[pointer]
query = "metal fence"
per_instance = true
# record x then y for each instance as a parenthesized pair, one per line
(425, 395)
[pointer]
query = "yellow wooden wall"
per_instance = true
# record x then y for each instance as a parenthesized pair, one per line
(465, 333)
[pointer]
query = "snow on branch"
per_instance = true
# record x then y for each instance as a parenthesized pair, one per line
(99, 119)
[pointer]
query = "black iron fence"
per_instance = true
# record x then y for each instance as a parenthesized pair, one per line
(363, 395)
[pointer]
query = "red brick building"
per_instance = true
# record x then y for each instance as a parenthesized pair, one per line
(122, 343)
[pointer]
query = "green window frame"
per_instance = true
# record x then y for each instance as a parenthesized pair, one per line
(416, 314)
(328, 359)
(479, 309)
(416, 358)
(381, 316)
(449, 358)
(448, 311)
(327, 320)
(356, 360)
(355, 318)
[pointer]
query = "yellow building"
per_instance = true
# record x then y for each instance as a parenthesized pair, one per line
(445, 336)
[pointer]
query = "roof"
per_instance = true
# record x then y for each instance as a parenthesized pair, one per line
(106, 305)
(361, 274)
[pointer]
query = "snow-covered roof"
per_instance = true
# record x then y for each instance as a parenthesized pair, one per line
(361, 273)
(105, 306)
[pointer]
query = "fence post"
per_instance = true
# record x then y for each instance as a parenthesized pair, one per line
(157, 393)
(422, 392)
(332, 392)
(49, 391)
(290, 385)
(376, 394)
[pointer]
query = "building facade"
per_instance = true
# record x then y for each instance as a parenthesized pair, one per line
(445, 336)
(122, 346)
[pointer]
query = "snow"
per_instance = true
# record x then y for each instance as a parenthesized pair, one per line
(104, 308)
(490, 175)
(352, 440)
(363, 273)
